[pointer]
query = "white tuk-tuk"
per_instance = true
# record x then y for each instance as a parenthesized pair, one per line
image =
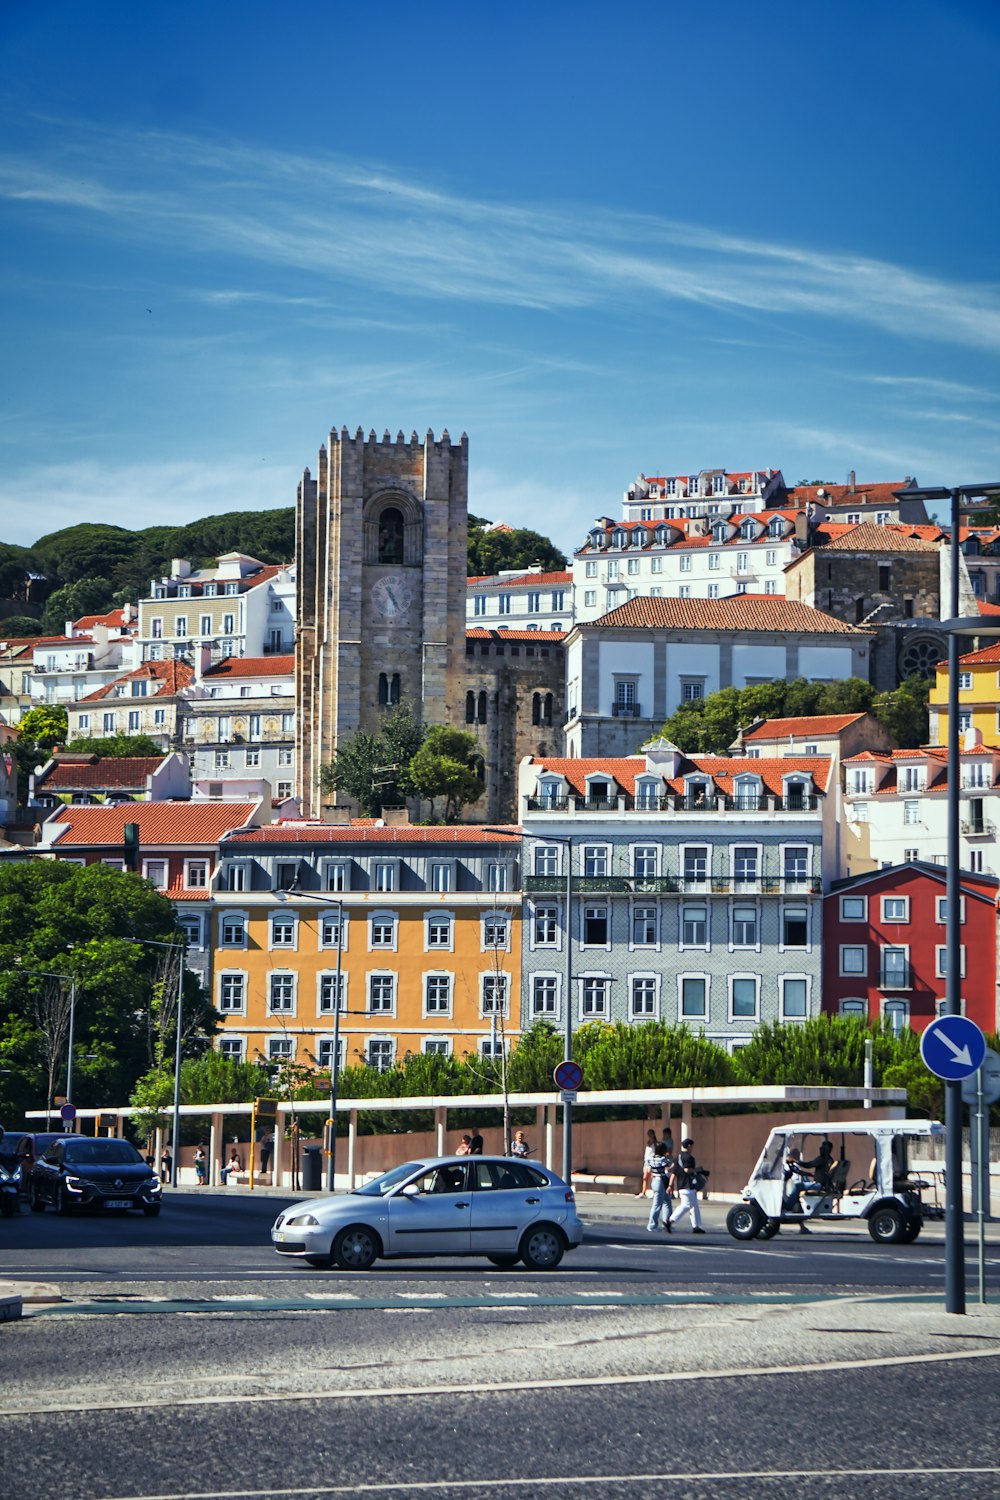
(839, 1171)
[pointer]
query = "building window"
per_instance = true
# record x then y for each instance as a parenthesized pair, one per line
(547, 859)
(388, 688)
(196, 874)
(594, 998)
(324, 1053)
(155, 871)
(503, 604)
(895, 968)
(108, 723)
(695, 864)
(590, 569)
(496, 930)
(380, 1055)
(382, 930)
(437, 994)
(854, 908)
(644, 861)
(644, 927)
(794, 999)
(232, 992)
(190, 925)
(895, 908)
(330, 930)
(745, 864)
(233, 932)
(694, 997)
(384, 877)
(381, 993)
(281, 994)
(596, 926)
(283, 930)
(479, 604)
(498, 875)
(694, 927)
(545, 927)
(330, 987)
(911, 813)
(544, 990)
(796, 863)
(896, 1014)
(942, 909)
(941, 957)
(853, 959)
(437, 1046)
(439, 930)
(743, 998)
(643, 997)
(495, 993)
(280, 1049)
(794, 927)
(595, 861)
(744, 927)
(692, 689)
(441, 876)
(232, 1048)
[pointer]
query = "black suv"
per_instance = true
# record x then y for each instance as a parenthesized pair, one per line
(79, 1171)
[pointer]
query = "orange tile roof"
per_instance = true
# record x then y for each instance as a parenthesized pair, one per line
(818, 724)
(988, 609)
(501, 634)
(160, 823)
(253, 666)
(127, 772)
(975, 658)
(623, 770)
(114, 617)
(842, 494)
(743, 612)
(523, 580)
(172, 676)
(350, 833)
(868, 536)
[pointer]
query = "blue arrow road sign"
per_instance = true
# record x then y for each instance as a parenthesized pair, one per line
(953, 1047)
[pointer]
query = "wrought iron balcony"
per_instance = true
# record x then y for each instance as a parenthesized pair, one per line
(896, 977)
(979, 828)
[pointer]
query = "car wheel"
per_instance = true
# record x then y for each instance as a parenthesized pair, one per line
(151, 1210)
(35, 1203)
(504, 1262)
(356, 1248)
(911, 1229)
(769, 1229)
(8, 1205)
(744, 1221)
(886, 1225)
(321, 1262)
(542, 1247)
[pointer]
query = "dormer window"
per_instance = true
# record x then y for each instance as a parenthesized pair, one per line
(550, 791)
(777, 527)
(640, 536)
(600, 790)
(748, 531)
(861, 780)
(696, 791)
(647, 792)
(719, 533)
(210, 591)
(619, 538)
(796, 791)
(748, 792)
(671, 486)
(662, 536)
(719, 484)
(912, 778)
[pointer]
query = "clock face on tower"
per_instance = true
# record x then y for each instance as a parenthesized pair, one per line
(392, 597)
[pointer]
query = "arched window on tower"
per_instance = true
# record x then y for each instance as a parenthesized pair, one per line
(547, 709)
(388, 689)
(482, 708)
(536, 708)
(470, 708)
(390, 536)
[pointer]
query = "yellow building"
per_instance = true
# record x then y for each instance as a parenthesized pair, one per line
(419, 928)
(978, 697)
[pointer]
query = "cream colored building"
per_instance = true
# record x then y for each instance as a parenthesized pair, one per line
(241, 607)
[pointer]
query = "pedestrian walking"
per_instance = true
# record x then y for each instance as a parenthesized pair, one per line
(646, 1182)
(685, 1175)
(660, 1171)
(519, 1146)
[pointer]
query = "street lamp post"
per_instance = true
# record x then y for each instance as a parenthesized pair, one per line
(962, 496)
(176, 1131)
(50, 974)
(337, 901)
(566, 840)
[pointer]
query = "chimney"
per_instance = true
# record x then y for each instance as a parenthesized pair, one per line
(180, 567)
(851, 482)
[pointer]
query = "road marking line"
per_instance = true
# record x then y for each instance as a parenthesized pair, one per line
(456, 1486)
(506, 1387)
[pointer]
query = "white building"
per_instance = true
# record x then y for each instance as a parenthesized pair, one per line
(237, 720)
(241, 607)
(530, 600)
(896, 808)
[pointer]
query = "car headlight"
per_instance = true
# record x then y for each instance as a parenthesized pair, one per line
(153, 1184)
(308, 1219)
(75, 1184)
(5, 1175)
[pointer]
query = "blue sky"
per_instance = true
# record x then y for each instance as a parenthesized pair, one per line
(601, 240)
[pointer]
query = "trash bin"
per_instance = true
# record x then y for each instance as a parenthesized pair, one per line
(312, 1169)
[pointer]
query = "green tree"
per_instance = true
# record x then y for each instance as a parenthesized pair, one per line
(19, 627)
(355, 773)
(84, 922)
(86, 596)
(117, 746)
(448, 765)
(492, 552)
(904, 713)
(46, 726)
(824, 1050)
(89, 550)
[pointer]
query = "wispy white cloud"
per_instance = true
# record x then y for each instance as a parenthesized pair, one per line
(347, 222)
(932, 385)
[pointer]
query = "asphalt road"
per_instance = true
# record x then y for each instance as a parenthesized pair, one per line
(190, 1361)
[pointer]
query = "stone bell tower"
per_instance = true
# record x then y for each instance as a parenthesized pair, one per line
(381, 560)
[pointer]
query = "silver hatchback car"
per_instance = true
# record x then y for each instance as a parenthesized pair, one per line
(505, 1210)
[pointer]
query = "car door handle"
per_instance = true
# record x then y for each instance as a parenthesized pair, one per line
(461, 1205)
(532, 1200)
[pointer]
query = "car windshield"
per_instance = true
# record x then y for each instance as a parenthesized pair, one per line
(384, 1184)
(101, 1154)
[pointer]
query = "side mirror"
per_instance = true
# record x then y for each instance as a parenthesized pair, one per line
(411, 1190)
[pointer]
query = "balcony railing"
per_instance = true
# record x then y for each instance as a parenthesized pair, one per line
(677, 802)
(625, 710)
(898, 977)
(979, 828)
(667, 885)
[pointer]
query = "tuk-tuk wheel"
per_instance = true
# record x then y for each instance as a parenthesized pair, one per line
(886, 1225)
(744, 1221)
(911, 1229)
(770, 1228)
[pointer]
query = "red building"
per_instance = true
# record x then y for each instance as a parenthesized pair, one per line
(885, 946)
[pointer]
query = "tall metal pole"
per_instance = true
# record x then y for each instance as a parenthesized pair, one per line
(175, 1154)
(567, 1172)
(69, 1055)
(954, 1251)
(335, 1064)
